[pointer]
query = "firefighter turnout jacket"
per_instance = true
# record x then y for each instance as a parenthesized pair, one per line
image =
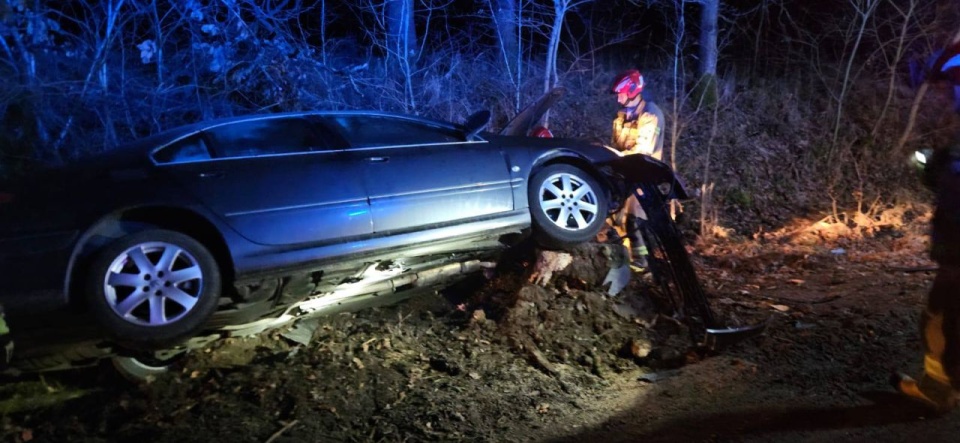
(639, 132)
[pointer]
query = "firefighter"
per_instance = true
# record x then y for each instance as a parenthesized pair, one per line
(637, 129)
(939, 385)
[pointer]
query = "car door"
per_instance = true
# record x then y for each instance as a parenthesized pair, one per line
(276, 181)
(421, 175)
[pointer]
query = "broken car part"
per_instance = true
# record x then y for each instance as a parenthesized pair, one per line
(654, 184)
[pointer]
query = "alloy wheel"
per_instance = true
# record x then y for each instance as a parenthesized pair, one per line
(568, 201)
(153, 284)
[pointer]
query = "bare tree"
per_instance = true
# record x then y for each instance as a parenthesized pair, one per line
(507, 19)
(864, 11)
(907, 14)
(112, 11)
(28, 28)
(679, 35)
(401, 31)
(709, 16)
(550, 77)
(394, 32)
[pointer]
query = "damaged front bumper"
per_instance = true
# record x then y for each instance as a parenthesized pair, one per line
(628, 172)
(654, 184)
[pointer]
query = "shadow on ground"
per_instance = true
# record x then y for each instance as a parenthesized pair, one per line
(886, 408)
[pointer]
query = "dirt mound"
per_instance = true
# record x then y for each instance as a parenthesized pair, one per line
(532, 341)
(554, 308)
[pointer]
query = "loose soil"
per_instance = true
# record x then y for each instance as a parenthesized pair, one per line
(526, 354)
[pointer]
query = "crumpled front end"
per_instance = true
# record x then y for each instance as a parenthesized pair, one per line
(631, 171)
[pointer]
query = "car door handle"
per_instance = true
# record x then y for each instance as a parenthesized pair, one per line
(378, 159)
(211, 174)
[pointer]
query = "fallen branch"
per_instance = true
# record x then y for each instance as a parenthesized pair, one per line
(818, 301)
(826, 299)
(277, 434)
(911, 269)
(541, 361)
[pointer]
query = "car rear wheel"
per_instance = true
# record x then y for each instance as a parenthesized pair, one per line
(153, 288)
(567, 206)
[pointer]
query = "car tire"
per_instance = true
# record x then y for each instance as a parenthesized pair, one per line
(153, 289)
(567, 205)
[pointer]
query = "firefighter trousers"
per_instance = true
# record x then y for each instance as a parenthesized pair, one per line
(631, 218)
(940, 328)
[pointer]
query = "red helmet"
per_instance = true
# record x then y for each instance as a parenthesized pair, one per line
(541, 132)
(947, 64)
(630, 83)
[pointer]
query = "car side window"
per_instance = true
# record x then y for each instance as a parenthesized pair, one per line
(186, 150)
(363, 131)
(266, 136)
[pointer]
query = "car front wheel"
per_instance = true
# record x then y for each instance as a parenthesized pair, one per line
(567, 206)
(153, 288)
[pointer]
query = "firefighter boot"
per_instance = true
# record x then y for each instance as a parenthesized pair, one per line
(638, 248)
(940, 397)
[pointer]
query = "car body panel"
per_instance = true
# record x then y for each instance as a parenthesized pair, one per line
(283, 199)
(32, 270)
(412, 187)
(256, 263)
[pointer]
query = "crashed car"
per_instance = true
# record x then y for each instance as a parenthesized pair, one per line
(234, 226)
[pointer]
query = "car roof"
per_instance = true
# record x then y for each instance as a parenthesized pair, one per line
(161, 139)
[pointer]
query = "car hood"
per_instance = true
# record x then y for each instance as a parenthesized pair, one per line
(530, 116)
(592, 150)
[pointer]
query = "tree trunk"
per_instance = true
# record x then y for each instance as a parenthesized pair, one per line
(401, 32)
(402, 44)
(323, 32)
(505, 20)
(550, 77)
(894, 64)
(708, 37)
(707, 69)
(863, 13)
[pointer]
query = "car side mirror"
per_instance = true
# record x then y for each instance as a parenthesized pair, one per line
(476, 122)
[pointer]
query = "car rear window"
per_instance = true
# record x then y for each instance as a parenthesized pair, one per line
(264, 137)
(363, 131)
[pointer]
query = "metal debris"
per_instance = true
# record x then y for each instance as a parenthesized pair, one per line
(302, 331)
